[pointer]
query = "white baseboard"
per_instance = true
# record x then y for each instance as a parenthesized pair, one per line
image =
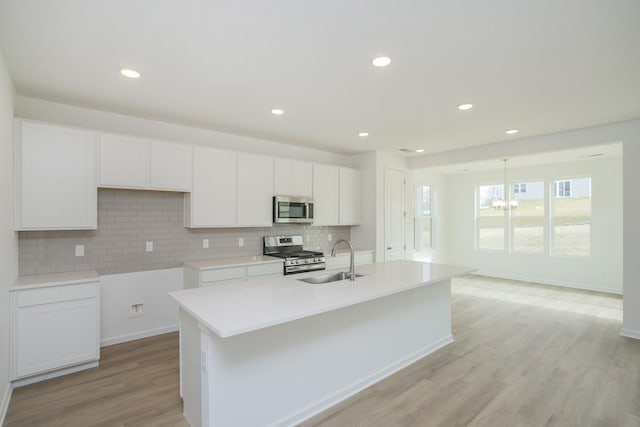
(138, 335)
(348, 391)
(56, 373)
(4, 404)
(630, 333)
(547, 282)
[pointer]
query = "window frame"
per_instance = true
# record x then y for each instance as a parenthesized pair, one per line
(477, 208)
(552, 216)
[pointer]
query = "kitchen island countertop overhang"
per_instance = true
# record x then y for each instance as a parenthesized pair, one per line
(240, 307)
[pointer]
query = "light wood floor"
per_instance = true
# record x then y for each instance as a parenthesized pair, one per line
(136, 384)
(524, 355)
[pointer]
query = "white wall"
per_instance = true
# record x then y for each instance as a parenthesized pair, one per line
(601, 271)
(631, 227)
(370, 234)
(438, 184)
(38, 109)
(363, 236)
(8, 237)
(150, 288)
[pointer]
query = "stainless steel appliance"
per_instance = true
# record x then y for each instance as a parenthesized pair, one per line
(292, 209)
(296, 259)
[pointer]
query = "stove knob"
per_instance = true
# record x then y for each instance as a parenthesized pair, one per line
(309, 260)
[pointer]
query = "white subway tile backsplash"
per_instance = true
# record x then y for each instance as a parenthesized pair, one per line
(127, 219)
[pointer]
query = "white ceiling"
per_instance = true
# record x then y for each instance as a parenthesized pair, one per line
(540, 66)
(586, 153)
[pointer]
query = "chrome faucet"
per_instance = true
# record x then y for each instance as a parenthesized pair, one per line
(352, 270)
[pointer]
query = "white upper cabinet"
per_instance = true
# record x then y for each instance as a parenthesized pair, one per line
(326, 194)
(230, 189)
(124, 161)
(350, 182)
(255, 190)
(130, 162)
(336, 193)
(212, 201)
(170, 166)
(55, 177)
(293, 178)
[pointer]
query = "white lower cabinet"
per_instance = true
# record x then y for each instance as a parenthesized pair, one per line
(343, 259)
(54, 328)
(225, 270)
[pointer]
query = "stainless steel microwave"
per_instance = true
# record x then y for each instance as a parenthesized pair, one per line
(292, 209)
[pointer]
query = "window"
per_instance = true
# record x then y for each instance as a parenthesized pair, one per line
(490, 222)
(572, 217)
(528, 220)
(563, 228)
(519, 188)
(424, 221)
(562, 189)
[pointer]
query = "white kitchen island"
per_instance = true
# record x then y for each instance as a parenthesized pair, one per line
(276, 351)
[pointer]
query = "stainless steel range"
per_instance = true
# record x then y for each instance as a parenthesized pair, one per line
(296, 260)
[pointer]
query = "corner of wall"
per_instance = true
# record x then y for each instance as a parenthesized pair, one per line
(8, 237)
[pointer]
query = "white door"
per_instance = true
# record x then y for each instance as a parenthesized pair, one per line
(394, 217)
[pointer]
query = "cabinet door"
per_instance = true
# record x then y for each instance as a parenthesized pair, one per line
(255, 190)
(325, 194)
(56, 174)
(123, 161)
(349, 211)
(212, 201)
(170, 166)
(293, 178)
(57, 334)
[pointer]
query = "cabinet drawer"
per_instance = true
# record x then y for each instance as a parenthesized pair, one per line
(223, 274)
(264, 269)
(56, 294)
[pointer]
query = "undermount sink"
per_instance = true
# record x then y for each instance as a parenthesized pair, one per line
(327, 278)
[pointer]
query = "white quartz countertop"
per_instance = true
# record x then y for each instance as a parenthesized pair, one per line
(53, 279)
(235, 308)
(206, 264)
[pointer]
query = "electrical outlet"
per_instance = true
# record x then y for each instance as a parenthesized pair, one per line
(205, 243)
(135, 310)
(79, 250)
(149, 246)
(307, 238)
(329, 237)
(240, 241)
(203, 361)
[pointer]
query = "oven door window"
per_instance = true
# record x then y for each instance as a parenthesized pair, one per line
(292, 210)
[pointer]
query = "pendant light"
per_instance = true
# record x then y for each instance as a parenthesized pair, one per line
(506, 204)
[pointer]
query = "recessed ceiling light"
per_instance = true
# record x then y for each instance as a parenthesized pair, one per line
(511, 131)
(381, 61)
(419, 150)
(277, 111)
(132, 74)
(363, 134)
(465, 107)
